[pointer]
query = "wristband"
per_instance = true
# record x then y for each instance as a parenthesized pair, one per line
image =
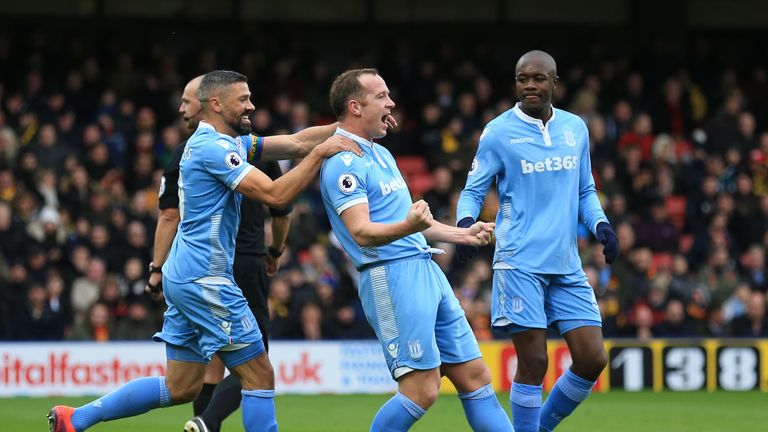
(274, 252)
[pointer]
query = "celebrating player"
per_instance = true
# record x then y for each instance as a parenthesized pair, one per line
(406, 298)
(539, 157)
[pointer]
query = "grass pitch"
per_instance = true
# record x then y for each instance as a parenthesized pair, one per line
(602, 412)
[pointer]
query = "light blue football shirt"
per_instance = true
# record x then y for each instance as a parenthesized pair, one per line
(211, 167)
(544, 180)
(347, 180)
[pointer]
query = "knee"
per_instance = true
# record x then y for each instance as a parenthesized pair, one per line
(183, 392)
(532, 366)
(426, 396)
(590, 366)
(258, 378)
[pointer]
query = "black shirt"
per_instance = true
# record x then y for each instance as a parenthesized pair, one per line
(250, 236)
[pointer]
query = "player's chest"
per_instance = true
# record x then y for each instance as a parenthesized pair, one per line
(385, 182)
(541, 152)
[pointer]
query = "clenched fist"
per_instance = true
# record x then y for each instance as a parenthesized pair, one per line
(419, 216)
(479, 233)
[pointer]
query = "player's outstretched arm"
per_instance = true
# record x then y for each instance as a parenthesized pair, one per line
(299, 144)
(478, 234)
(367, 234)
(281, 192)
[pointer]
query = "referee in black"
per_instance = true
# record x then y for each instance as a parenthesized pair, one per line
(254, 262)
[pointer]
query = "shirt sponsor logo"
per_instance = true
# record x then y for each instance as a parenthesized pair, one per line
(522, 140)
(396, 184)
(555, 163)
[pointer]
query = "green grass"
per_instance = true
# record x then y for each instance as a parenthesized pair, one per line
(609, 412)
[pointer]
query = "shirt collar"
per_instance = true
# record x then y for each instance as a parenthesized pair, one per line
(354, 137)
(204, 125)
(528, 119)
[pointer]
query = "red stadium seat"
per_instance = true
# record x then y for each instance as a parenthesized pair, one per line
(411, 166)
(419, 184)
(686, 241)
(676, 206)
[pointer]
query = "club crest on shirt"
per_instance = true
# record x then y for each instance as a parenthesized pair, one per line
(347, 159)
(570, 139)
(233, 160)
(347, 183)
(475, 165)
(187, 153)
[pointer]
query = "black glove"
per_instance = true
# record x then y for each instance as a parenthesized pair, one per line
(464, 253)
(604, 233)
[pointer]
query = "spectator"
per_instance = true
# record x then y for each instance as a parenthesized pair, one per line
(754, 323)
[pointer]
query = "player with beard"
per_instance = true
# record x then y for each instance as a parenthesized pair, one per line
(207, 313)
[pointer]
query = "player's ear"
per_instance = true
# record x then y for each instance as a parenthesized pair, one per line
(354, 107)
(555, 80)
(215, 104)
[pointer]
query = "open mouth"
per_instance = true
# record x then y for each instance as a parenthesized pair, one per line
(245, 119)
(384, 120)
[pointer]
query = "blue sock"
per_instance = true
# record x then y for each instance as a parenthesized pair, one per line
(484, 412)
(569, 391)
(526, 406)
(259, 411)
(132, 398)
(398, 414)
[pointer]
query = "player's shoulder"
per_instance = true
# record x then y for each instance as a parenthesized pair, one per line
(496, 126)
(569, 118)
(345, 160)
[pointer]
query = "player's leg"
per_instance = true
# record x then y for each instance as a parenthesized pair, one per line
(404, 321)
(481, 407)
(417, 390)
(518, 308)
(213, 375)
(462, 362)
(572, 306)
(251, 276)
(251, 365)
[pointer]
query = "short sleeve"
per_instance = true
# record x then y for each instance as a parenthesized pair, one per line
(223, 160)
(169, 183)
(343, 181)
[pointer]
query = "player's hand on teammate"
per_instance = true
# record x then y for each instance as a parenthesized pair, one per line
(155, 286)
(479, 233)
(336, 144)
(419, 216)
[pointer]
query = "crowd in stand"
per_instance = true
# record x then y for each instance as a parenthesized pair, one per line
(679, 153)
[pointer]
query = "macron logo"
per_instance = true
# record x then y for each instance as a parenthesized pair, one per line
(395, 184)
(550, 164)
(521, 140)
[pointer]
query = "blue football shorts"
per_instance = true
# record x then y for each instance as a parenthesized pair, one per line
(523, 300)
(416, 317)
(206, 318)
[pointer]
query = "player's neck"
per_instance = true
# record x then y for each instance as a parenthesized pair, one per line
(355, 129)
(543, 114)
(221, 126)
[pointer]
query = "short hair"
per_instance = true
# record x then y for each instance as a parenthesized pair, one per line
(345, 87)
(214, 82)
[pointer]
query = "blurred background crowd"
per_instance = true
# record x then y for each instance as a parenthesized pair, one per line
(679, 141)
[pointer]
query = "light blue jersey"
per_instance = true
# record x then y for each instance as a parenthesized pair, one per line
(211, 167)
(544, 180)
(374, 179)
(406, 298)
